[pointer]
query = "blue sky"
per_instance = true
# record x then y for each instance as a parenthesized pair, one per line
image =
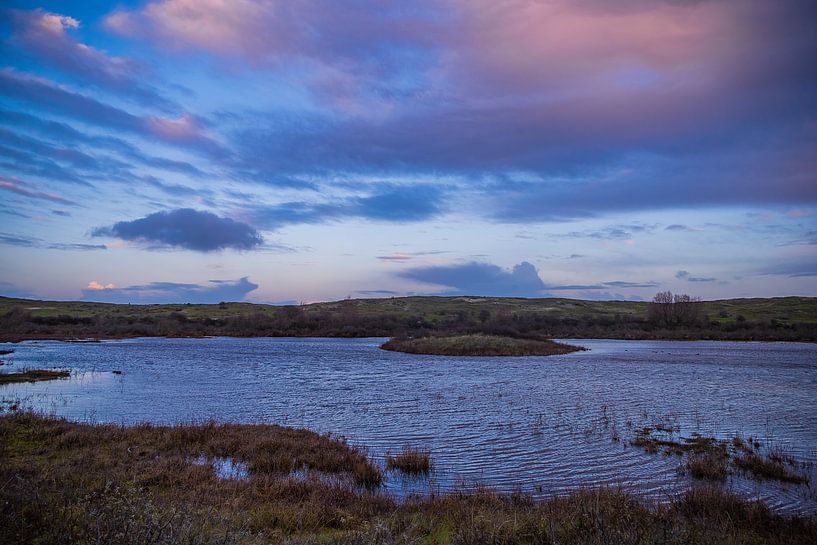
(181, 150)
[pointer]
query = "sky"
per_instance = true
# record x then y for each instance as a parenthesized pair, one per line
(305, 150)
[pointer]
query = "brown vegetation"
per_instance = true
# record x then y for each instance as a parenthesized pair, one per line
(32, 375)
(63, 482)
(768, 468)
(710, 466)
(709, 458)
(479, 345)
(410, 460)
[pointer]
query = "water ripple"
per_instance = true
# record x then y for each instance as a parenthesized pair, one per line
(543, 425)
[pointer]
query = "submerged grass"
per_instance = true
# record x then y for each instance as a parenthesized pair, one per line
(32, 375)
(711, 459)
(64, 482)
(708, 466)
(410, 460)
(478, 345)
(768, 468)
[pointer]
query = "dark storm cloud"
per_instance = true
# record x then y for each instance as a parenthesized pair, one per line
(185, 228)
(481, 279)
(171, 292)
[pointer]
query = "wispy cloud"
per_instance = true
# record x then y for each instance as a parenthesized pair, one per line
(33, 242)
(388, 202)
(16, 186)
(402, 257)
(684, 275)
(185, 131)
(47, 36)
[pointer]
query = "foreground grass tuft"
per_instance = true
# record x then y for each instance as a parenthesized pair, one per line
(410, 460)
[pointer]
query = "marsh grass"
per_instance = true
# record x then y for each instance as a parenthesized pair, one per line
(64, 482)
(413, 461)
(478, 345)
(708, 466)
(32, 375)
(769, 468)
(708, 458)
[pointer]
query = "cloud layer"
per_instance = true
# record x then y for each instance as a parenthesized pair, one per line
(660, 134)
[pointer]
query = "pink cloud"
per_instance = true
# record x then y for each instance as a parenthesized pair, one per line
(16, 186)
(48, 36)
(477, 50)
(94, 285)
(182, 128)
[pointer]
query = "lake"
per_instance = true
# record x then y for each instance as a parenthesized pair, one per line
(542, 425)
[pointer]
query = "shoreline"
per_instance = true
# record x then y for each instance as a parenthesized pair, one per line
(150, 472)
(21, 338)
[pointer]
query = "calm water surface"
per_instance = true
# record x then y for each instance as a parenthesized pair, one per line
(544, 425)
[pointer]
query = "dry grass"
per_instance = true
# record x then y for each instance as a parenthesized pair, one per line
(410, 460)
(63, 482)
(708, 466)
(32, 375)
(709, 458)
(770, 467)
(479, 345)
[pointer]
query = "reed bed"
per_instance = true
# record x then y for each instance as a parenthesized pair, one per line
(63, 482)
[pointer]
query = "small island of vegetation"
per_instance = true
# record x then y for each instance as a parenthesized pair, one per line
(32, 375)
(478, 345)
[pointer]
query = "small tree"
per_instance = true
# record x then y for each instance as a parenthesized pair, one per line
(678, 309)
(660, 310)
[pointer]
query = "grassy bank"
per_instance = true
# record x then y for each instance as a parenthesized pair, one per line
(63, 482)
(780, 318)
(478, 345)
(32, 375)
